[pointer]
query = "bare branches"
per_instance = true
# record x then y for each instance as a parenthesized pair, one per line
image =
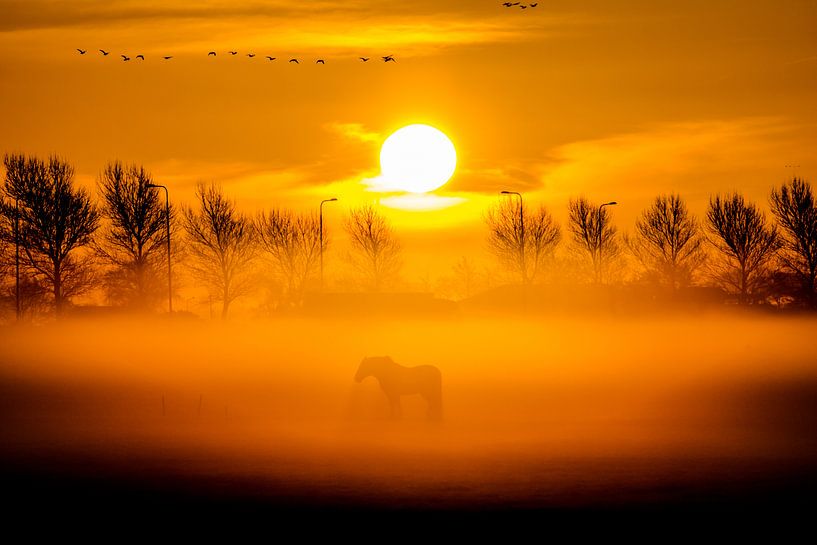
(668, 242)
(375, 249)
(134, 242)
(56, 218)
(796, 211)
(221, 243)
(594, 235)
(521, 241)
(292, 242)
(739, 232)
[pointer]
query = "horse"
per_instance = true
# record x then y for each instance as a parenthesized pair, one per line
(397, 380)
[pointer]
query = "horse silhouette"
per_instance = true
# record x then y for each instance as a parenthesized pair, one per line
(398, 380)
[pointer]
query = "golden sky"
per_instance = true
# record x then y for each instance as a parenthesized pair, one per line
(614, 100)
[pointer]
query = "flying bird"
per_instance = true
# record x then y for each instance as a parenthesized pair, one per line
(167, 58)
(81, 51)
(294, 60)
(507, 4)
(320, 61)
(213, 53)
(389, 58)
(104, 53)
(251, 55)
(140, 57)
(364, 59)
(523, 6)
(233, 52)
(271, 58)
(534, 4)
(125, 57)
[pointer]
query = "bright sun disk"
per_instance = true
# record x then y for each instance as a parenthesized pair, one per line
(417, 159)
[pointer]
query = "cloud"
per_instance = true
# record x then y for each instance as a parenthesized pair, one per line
(699, 157)
(494, 180)
(354, 131)
(331, 27)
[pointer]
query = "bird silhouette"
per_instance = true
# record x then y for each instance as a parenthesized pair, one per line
(213, 53)
(320, 61)
(81, 51)
(294, 60)
(534, 4)
(140, 57)
(523, 6)
(125, 57)
(251, 55)
(104, 53)
(271, 58)
(507, 4)
(389, 58)
(364, 59)
(167, 58)
(233, 52)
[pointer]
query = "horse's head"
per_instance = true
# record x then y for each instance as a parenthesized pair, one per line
(368, 367)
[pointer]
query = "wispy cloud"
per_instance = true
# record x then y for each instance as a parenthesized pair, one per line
(333, 27)
(354, 131)
(495, 179)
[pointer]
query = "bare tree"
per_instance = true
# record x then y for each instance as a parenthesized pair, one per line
(520, 239)
(221, 243)
(740, 233)
(464, 280)
(135, 238)
(668, 242)
(375, 249)
(594, 236)
(56, 219)
(292, 241)
(796, 211)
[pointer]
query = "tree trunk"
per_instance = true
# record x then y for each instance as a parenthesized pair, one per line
(58, 290)
(225, 303)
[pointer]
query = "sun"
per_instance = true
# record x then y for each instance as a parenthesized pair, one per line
(417, 159)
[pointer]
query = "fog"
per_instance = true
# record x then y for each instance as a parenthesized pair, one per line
(536, 411)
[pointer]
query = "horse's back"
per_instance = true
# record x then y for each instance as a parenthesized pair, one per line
(425, 379)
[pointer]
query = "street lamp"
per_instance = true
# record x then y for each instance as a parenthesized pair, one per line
(17, 257)
(167, 224)
(320, 216)
(598, 239)
(522, 231)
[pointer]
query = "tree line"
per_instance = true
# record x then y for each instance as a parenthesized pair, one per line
(735, 248)
(57, 242)
(60, 243)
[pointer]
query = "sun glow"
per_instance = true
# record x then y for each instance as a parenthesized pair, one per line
(417, 159)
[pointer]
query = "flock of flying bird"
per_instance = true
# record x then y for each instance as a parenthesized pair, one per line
(523, 6)
(387, 58)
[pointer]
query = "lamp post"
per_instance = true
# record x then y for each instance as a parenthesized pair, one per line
(17, 258)
(167, 224)
(522, 237)
(320, 221)
(598, 240)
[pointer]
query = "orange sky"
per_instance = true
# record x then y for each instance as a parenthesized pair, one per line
(615, 100)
